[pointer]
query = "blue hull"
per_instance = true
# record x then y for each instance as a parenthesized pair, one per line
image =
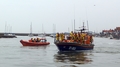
(73, 47)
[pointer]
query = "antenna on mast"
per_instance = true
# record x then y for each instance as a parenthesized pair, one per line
(5, 26)
(31, 28)
(87, 25)
(68, 29)
(74, 25)
(74, 17)
(83, 26)
(87, 19)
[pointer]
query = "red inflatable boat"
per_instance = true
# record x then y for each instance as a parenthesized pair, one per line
(30, 43)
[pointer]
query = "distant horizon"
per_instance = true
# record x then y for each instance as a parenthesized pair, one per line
(10, 31)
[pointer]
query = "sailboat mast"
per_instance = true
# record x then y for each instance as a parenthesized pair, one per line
(83, 26)
(31, 29)
(74, 17)
(11, 29)
(68, 29)
(5, 26)
(87, 25)
(53, 28)
(42, 29)
(74, 25)
(87, 18)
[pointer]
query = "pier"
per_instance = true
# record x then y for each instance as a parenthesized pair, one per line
(25, 34)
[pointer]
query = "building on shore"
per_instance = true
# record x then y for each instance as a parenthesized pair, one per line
(111, 32)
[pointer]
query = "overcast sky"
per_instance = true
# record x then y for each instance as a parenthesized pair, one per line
(18, 15)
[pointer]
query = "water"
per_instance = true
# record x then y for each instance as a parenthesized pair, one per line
(106, 53)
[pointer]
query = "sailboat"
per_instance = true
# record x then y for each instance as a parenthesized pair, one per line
(30, 35)
(53, 35)
(39, 35)
(43, 33)
(8, 34)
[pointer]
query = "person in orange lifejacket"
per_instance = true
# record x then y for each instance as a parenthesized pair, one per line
(63, 36)
(78, 36)
(75, 37)
(87, 39)
(57, 36)
(91, 38)
(72, 35)
(60, 37)
(38, 40)
(32, 40)
(35, 39)
(82, 38)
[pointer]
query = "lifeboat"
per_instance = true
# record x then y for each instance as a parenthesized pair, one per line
(69, 44)
(30, 43)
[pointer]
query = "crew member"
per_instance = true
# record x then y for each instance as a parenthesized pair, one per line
(57, 36)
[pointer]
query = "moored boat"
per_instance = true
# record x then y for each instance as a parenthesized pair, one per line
(30, 43)
(111, 37)
(9, 35)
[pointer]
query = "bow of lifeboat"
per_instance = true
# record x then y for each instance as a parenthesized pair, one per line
(28, 43)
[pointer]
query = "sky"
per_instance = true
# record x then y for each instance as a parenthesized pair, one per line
(50, 16)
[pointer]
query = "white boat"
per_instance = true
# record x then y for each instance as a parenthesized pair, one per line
(8, 32)
(9, 35)
(53, 35)
(111, 37)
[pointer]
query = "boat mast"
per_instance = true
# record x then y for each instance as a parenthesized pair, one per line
(43, 32)
(9, 29)
(42, 29)
(83, 27)
(68, 29)
(74, 17)
(87, 25)
(74, 25)
(87, 19)
(31, 28)
(5, 27)
(54, 28)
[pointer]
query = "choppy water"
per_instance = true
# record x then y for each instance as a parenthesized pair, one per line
(106, 53)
